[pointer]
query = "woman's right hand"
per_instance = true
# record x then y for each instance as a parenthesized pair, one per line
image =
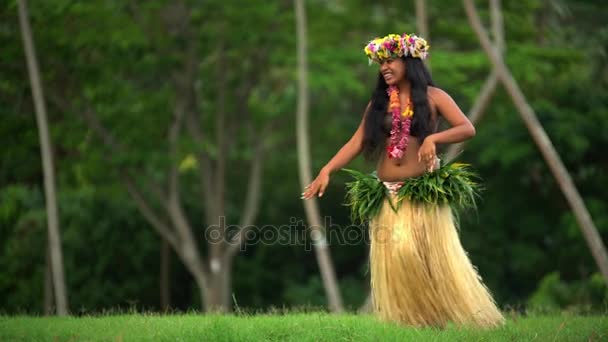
(317, 186)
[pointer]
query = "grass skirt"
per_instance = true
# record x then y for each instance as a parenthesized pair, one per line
(420, 273)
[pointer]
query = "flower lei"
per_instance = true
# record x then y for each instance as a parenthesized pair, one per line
(401, 124)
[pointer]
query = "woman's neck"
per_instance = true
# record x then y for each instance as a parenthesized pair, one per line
(404, 87)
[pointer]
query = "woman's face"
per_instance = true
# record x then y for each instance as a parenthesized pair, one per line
(393, 70)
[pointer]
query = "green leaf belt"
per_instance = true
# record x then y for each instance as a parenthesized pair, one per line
(451, 184)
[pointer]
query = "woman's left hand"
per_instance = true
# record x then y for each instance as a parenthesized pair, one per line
(426, 153)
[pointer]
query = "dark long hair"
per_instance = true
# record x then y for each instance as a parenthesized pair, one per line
(375, 137)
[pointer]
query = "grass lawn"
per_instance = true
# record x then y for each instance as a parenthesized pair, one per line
(293, 326)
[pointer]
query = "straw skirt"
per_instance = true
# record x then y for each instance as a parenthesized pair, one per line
(420, 273)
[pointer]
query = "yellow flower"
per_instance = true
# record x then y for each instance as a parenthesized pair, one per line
(407, 113)
(421, 44)
(393, 36)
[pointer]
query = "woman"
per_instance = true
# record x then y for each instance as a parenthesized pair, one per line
(420, 273)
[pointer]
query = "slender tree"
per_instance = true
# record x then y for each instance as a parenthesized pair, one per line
(489, 86)
(46, 151)
(540, 137)
(165, 275)
(422, 23)
(317, 231)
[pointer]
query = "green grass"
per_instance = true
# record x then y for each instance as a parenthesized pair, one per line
(294, 326)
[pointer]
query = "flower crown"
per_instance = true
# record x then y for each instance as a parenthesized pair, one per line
(394, 46)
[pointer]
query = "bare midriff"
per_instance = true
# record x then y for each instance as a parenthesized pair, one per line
(391, 170)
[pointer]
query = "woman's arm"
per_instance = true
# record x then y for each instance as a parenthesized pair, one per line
(348, 152)
(461, 128)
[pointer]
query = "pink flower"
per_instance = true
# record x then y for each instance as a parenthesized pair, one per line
(395, 152)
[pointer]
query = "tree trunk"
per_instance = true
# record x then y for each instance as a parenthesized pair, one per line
(220, 287)
(227, 284)
(312, 210)
(48, 283)
(219, 202)
(165, 275)
(46, 151)
(598, 250)
(422, 24)
(489, 86)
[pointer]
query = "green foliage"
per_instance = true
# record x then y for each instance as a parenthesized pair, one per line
(581, 296)
(364, 195)
(452, 184)
(108, 259)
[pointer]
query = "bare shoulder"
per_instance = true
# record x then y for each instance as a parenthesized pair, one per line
(445, 105)
(441, 100)
(438, 96)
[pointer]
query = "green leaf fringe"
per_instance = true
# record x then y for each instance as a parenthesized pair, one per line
(453, 184)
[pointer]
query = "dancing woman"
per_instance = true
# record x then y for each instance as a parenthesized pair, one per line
(420, 273)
